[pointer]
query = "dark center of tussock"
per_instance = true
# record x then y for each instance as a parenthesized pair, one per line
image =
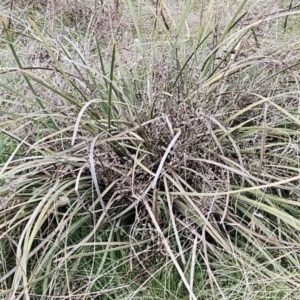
(116, 162)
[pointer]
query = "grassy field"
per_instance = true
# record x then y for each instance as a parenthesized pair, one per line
(149, 149)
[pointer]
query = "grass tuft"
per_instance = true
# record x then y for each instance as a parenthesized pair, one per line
(149, 150)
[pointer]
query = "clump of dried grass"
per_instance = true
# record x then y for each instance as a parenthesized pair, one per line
(215, 198)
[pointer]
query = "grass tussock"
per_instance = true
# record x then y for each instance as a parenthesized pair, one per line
(149, 151)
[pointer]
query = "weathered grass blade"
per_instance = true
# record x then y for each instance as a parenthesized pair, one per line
(111, 77)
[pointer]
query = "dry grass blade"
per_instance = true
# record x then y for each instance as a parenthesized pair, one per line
(170, 252)
(174, 225)
(193, 262)
(161, 164)
(242, 190)
(78, 119)
(94, 175)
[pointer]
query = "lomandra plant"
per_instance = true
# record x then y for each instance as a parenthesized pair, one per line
(159, 163)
